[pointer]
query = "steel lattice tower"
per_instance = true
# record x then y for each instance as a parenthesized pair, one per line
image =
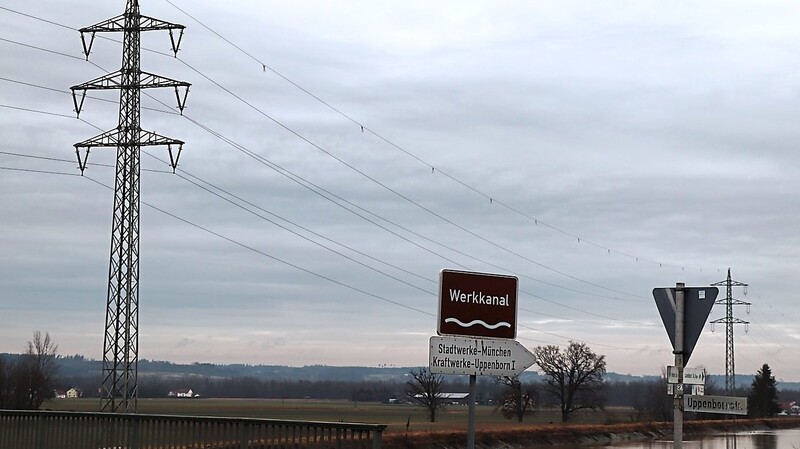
(729, 321)
(121, 337)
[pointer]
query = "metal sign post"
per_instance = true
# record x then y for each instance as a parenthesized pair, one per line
(677, 400)
(684, 311)
(471, 412)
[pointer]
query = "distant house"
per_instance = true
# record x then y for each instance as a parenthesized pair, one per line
(183, 393)
(790, 408)
(74, 393)
(59, 394)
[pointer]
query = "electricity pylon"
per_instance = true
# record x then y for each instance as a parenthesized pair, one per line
(121, 337)
(729, 321)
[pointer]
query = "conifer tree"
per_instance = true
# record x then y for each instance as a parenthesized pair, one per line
(762, 401)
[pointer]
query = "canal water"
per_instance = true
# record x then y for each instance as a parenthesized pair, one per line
(766, 439)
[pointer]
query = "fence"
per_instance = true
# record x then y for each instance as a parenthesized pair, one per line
(78, 430)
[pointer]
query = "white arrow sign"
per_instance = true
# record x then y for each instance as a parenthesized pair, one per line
(691, 376)
(478, 356)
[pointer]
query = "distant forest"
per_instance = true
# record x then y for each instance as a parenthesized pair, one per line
(359, 384)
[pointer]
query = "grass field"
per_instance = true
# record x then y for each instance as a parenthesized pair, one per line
(454, 417)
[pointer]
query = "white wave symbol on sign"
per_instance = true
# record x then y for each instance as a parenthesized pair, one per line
(474, 322)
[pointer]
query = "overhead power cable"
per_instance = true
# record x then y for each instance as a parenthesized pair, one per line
(523, 291)
(45, 172)
(429, 166)
(551, 301)
(398, 193)
(270, 256)
(321, 276)
(449, 221)
(375, 180)
(168, 172)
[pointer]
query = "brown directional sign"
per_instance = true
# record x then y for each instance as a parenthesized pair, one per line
(477, 304)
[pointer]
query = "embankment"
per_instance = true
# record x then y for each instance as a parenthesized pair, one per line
(547, 435)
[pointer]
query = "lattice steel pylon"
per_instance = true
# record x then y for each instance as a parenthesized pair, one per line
(121, 337)
(729, 321)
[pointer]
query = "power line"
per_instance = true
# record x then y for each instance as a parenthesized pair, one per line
(521, 325)
(467, 255)
(18, 108)
(432, 167)
(395, 192)
(401, 195)
(67, 55)
(39, 171)
(580, 310)
(270, 256)
(71, 161)
(376, 181)
(317, 274)
(45, 172)
(66, 92)
(480, 237)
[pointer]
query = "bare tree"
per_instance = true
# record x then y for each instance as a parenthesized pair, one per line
(28, 382)
(656, 403)
(573, 378)
(517, 399)
(426, 388)
(41, 354)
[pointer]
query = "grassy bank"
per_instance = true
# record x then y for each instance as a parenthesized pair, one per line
(396, 416)
(493, 431)
(545, 435)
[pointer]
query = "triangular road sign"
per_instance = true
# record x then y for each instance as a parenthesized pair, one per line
(697, 304)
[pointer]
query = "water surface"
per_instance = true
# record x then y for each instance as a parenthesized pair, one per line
(766, 439)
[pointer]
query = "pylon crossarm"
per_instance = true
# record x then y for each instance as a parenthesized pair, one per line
(111, 25)
(146, 80)
(106, 139)
(117, 24)
(152, 81)
(109, 81)
(151, 24)
(149, 138)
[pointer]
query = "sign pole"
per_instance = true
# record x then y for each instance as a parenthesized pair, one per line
(678, 397)
(471, 417)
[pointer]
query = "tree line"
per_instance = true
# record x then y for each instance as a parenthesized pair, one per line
(573, 379)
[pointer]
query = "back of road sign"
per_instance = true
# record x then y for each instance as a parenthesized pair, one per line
(697, 304)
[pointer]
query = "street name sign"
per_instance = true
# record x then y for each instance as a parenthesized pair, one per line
(698, 302)
(477, 304)
(728, 405)
(478, 356)
(691, 376)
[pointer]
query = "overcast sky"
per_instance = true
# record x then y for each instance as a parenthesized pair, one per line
(594, 149)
